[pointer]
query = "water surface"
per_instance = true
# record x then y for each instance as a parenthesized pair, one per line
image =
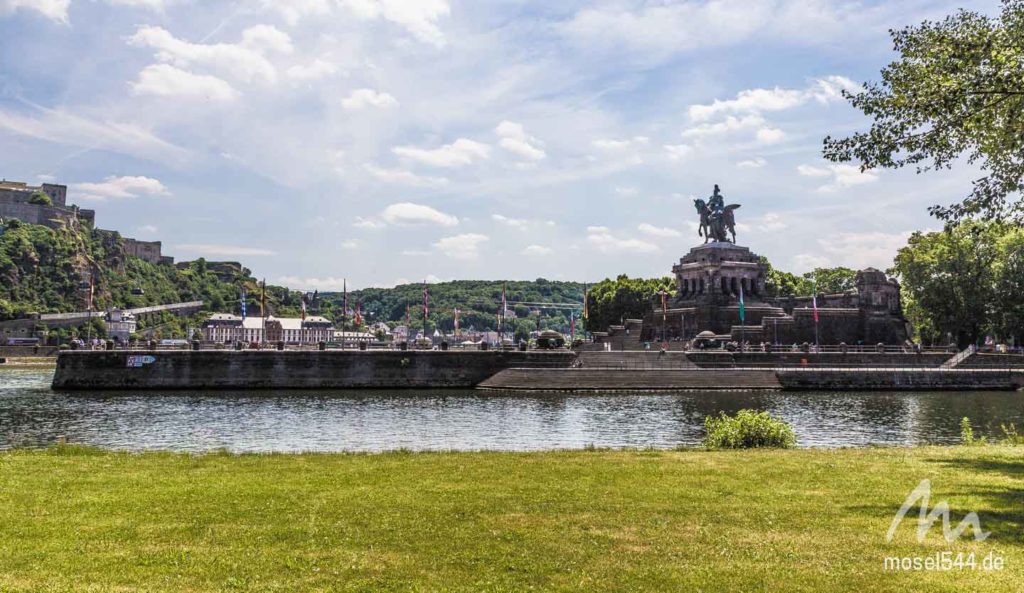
(33, 415)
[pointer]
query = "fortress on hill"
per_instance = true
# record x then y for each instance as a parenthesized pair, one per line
(24, 202)
(711, 278)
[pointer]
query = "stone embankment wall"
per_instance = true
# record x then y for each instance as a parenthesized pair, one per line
(899, 380)
(290, 369)
(823, 359)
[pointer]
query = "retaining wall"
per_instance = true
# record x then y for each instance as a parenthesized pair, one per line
(896, 379)
(822, 359)
(290, 369)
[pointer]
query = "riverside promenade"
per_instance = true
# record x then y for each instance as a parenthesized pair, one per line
(537, 370)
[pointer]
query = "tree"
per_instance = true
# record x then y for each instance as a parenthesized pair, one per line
(947, 280)
(1008, 275)
(40, 199)
(958, 89)
(612, 301)
(830, 280)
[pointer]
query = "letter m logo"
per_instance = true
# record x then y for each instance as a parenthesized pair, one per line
(926, 518)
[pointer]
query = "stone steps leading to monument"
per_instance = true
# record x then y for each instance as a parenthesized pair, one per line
(635, 359)
(629, 380)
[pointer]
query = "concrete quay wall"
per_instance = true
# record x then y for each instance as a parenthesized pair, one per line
(268, 369)
(898, 379)
(721, 359)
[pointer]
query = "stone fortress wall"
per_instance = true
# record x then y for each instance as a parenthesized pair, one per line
(15, 202)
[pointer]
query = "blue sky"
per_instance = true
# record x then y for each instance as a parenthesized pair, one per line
(387, 141)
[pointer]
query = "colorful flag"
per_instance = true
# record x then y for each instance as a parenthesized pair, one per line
(303, 307)
(426, 300)
(457, 320)
(743, 308)
(814, 299)
(504, 303)
(586, 307)
(359, 316)
(242, 302)
(344, 299)
(572, 327)
(408, 322)
(263, 298)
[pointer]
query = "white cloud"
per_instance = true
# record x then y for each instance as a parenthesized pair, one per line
(314, 70)
(350, 244)
(515, 140)
(367, 223)
(361, 98)
(517, 223)
(293, 11)
(730, 124)
(754, 163)
(750, 101)
(220, 250)
(167, 81)
(809, 171)
(465, 246)
(148, 229)
(409, 213)
(843, 176)
(536, 250)
(655, 231)
(805, 262)
(769, 135)
(857, 250)
(118, 188)
(627, 192)
(418, 17)
(678, 152)
(52, 9)
(612, 144)
(245, 60)
(62, 127)
(602, 239)
(404, 177)
(157, 5)
(457, 154)
(328, 284)
(770, 222)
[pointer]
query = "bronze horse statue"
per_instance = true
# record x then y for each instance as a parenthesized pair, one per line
(715, 225)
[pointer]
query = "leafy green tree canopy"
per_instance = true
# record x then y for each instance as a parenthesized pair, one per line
(957, 90)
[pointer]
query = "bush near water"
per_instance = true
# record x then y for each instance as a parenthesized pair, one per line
(747, 430)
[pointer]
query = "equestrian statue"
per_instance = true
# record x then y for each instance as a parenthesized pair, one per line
(717, 221)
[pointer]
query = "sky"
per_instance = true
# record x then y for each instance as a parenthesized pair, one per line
(394, 141)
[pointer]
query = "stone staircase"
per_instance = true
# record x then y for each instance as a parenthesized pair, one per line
(584, 379)
(634, 360)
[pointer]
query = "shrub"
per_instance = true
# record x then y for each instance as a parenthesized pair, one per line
(746, 430)
(40, 199)
(1010, 434)
(967, 433)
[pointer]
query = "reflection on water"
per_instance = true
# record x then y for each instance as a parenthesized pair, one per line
(32, 415)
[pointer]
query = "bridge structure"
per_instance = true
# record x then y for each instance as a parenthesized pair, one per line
(79, 317)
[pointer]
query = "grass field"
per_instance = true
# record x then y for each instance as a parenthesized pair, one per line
(798, 520)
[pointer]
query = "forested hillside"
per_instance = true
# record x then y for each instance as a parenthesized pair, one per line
(45, 270)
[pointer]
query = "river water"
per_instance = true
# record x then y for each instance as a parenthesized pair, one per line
(32, 415)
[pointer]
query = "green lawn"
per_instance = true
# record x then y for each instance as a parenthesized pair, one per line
(798, 520)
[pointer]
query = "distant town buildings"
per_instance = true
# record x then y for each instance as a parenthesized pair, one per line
(225, 328)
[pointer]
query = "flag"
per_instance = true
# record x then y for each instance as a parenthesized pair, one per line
(242, 302)
(303, 307)
(408, 323)
(743, 308)
(344, 300)
(814, 299)
(358, 317)
(263, 298)
(457, 321)
(572, 327)
(504, 303)
(586, 307)
(664, 302)
(426, 300)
